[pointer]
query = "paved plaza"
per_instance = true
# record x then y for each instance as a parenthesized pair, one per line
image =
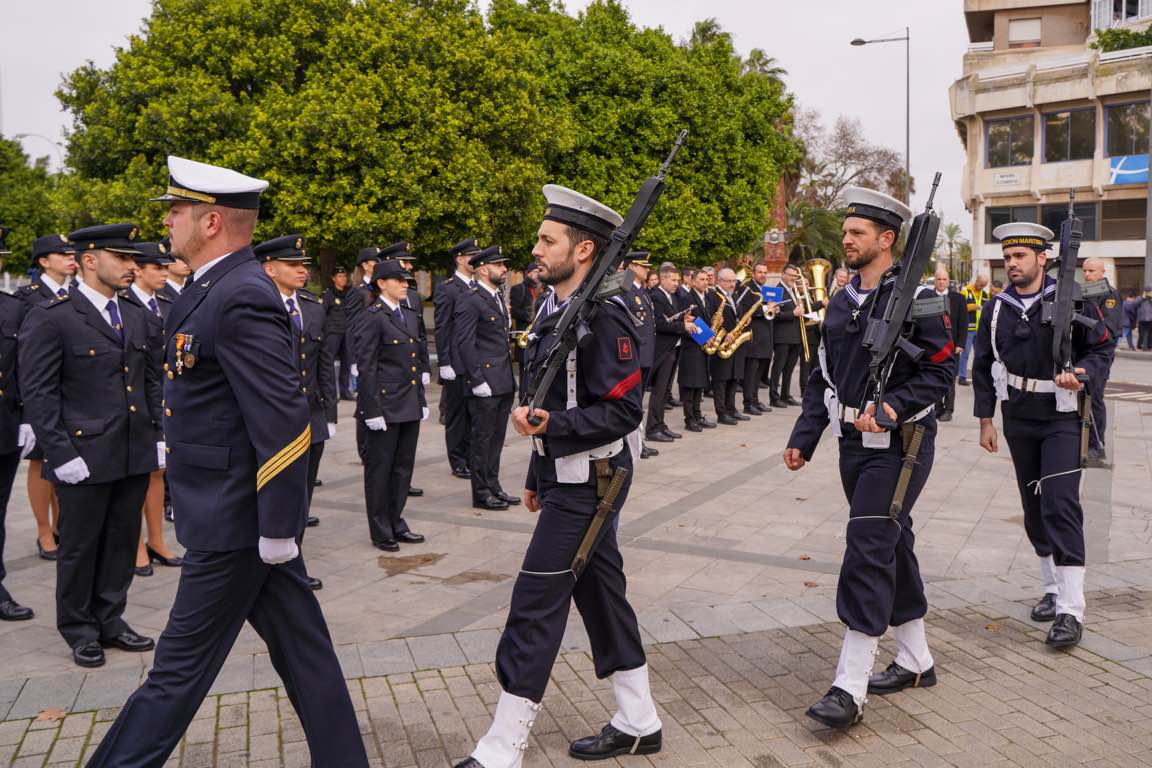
(732, 564)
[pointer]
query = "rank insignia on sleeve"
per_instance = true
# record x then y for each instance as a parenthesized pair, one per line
(624, 348)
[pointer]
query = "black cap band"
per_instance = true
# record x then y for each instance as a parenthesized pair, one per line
(580, 220)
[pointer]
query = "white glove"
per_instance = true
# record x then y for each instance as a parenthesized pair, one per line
(447, 374)
(276, 551)
(376, 425)
(425, 378)
(482, 390)
(423, 414)
(352, 369)
(331, 431)
(26, 440)
(72, 472)
(161, 459)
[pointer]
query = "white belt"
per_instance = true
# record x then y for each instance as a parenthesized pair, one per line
(848, 415)
(1031, 385)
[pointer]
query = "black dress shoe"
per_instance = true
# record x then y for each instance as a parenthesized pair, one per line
(692, 426)
(611, 742)
(168, 514)
(130, 641)
(10, 610)
(408, 537)
(508, 499)
(88, 654)
(462, 473)
(45, 554)
(1045, 610)
(739, 416)
(962, 381)
(415, 491)
(143, 570)
(387, 545)
(896, 678)
(317, 483)
(946, 416)
(1065, 631)
(313, 583)
(751, 410)
(706, 423)
(669, 433)
(648, 453)
(667, 406)
(156, 557)
(762, 408)
(776, 402)
(791, 400)
(657, 437)
(312, 521)
(674, 402)
(469, 762)
(727, 420)
(836, 710)
(489, 502)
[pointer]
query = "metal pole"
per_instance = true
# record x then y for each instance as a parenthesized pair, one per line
(908, 116)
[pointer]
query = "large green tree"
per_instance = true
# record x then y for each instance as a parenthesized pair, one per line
(26, 194)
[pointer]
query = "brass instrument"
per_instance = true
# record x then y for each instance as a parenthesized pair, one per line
(739, 335)
(816, 271)
(806, 306)
(522, 339)
(717, 323)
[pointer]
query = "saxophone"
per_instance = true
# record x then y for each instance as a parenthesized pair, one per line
(739, 335)
(717, 325)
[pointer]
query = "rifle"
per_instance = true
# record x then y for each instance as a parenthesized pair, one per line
(888, 336)
(602, 283)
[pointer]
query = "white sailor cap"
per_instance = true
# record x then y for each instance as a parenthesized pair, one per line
(1023, 233)
(568, 206)
(195, 182)
(876, 206)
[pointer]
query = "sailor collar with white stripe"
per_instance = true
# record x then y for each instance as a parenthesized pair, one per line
(1011, 296)
(857, 296)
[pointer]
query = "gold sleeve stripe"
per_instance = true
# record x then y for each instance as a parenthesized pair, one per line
(284, 458)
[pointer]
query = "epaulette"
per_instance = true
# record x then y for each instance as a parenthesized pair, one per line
(376, 306)
(162, 297)
(307, 296)
(410, 309)
(56, 301)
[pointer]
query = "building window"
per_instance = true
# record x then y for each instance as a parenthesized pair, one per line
(1110, 13)
(1005, 214)
(1122, 219)
(1052, 216)
(1127, 129)
(1009, 142)
(1069, 135)
(1024, 33)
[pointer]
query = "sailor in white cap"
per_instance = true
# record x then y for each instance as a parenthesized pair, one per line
(237, 429)
(1013, 365)
(880, 585)
(586, 416)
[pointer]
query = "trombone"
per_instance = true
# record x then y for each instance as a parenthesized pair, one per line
(813, 276)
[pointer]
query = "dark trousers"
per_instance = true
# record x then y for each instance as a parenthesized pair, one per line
(784, 358)
(9, 464)
(947, 403)
(880, 583)
(218, 592)
(99, 532)
(457, 426)
(754, 370)
(1053, 518)
(692, 398)
(545, 589)
(388, 456)
(1145, 327)
(661, 387)
(489, 417)
(724, 396)
(315, 453)
(1099, 410)
(337, 345)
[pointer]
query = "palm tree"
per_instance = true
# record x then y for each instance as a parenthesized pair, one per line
(816, 232)
(950, 238)
(705, 32)
(762, 64)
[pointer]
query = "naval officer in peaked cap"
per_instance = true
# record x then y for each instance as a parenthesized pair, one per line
(238, 432)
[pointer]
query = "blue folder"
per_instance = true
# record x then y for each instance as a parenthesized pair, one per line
(702, 333)
(772, 293)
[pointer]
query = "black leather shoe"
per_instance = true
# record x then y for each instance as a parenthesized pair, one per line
(791, 400)
(156, 557)
(1065, 631)
(727, 420)
(10, 610)
(611, 742)
(896, 678)
(648, 453)
(776, 402)
(45, 554)
(946, 416)
(1045, 610)
(143, 570)
(317, 483)
(462, 473)
(489, 502)
(751, 410)
(408, 537)
(674, 402)
(657, 437)
(508, 499)
(669, 433)
(169, 515)
(739, 416)
(312, 521)
(836, 710)
(962, 382)
(88, 654)
(130, 641)
(761, 407)
(469, 762)
(415, 491)
(313, 583)
(387, 545)
(706, 423)
(693, 426)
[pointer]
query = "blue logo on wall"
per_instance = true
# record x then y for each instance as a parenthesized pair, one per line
(1128, 169)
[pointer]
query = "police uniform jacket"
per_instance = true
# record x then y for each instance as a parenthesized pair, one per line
(759, 347)
(316, 364)
(1111, 307)
(693, 371)
(480, 338)
(236, 421)
(356, 299)
(169, 292)
(416, 304)
(1025, 346)
(155, 324)
(12, 312)
(443, 313)
(609, 395)
(669, 333)
(35, 293)
(87, 393)
(720, 369)
(913, 387)
(388, 359)
(333, 301)
(640, 307)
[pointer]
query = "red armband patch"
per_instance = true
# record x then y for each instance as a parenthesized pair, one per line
(944, 353)
(623, 347)
(621, 389)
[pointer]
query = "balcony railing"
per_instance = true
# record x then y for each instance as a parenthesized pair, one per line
(1115, 13)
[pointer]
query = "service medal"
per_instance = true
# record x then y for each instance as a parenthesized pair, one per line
(189, 355)
(179, 353)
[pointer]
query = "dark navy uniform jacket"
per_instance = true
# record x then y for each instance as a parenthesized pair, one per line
(388, 358)
(481, 352)
(693, 372)
(155, 324)
(669, 333)
(237, 421)
(333, 301)
(35, 293)
(416, 304)
(640, 307)
(761, 344)
(912, 387)
(89, 394)
(1025, 346)
(443, 314)
(356, 300)
(317, 366)
(12, 312)
(719, 368)
(608, 392)
(1111, 306)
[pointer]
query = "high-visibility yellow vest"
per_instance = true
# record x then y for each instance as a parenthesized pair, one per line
(975, 300)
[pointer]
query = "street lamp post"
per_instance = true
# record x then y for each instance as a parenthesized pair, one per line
(907, 40)
(55, 146)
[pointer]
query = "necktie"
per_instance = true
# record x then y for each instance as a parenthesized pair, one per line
(398, 314)
(295, 315)
(471, 283)
(154, 306)
(114, 316)
(61, 292)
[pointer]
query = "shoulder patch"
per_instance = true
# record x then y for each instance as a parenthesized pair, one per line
(376, 307)
(623, 348)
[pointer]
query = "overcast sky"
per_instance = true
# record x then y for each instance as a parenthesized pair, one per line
(44, 38)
